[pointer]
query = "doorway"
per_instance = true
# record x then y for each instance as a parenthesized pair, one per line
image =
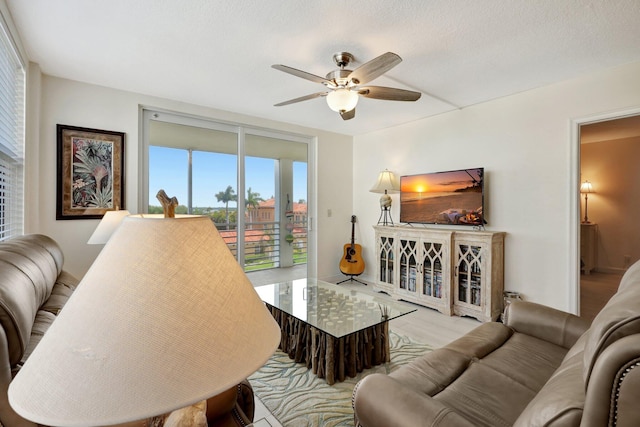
(609, 203)
(253, 183)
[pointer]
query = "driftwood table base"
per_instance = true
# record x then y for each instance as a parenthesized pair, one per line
(328, 357)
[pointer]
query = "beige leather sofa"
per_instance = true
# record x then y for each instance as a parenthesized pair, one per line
(543, 367)
(33, 289)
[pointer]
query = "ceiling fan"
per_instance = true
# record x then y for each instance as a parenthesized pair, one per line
(344, 86)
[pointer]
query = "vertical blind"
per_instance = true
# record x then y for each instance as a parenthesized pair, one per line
(12, 106)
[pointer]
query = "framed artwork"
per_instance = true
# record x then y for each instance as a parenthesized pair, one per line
(90, 177)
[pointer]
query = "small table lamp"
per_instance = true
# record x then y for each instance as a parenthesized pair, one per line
(164, 318)
(108, 224)
(585, 189)
(387, 183)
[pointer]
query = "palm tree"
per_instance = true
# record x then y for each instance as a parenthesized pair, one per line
(227, 196)
(252, 202)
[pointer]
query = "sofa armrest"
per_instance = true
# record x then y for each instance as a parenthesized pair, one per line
(614, 386)
(8, 417)
(379, 400)
(246, 400)
(554, 326)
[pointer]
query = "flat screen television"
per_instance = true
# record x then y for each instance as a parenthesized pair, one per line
(451, 198)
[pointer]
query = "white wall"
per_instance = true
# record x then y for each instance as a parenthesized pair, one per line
(524, 142)
(78, 104)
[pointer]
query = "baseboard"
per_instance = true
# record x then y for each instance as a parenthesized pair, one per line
(610, 270)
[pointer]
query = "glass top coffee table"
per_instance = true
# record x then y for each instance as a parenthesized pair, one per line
(335, 331)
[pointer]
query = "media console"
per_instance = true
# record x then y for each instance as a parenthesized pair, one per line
(454, 272)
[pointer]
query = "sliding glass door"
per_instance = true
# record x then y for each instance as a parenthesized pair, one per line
(253, 183)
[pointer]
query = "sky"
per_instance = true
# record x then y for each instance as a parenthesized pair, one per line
(212, 173)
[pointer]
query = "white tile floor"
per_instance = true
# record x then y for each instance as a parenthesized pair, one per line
(424, 325)
(264, 418)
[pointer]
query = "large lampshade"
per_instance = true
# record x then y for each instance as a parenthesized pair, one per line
(164, 318)
(342, 100)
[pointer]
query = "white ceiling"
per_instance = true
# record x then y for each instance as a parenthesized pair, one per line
(218, 53)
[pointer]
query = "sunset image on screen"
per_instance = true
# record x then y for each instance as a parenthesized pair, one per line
(443, 198)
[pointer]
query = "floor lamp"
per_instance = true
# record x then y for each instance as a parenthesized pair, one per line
(387, 184)
(585, 189)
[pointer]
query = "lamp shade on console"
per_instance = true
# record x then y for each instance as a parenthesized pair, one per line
(387, 183)
(164, 318)
(586, 188)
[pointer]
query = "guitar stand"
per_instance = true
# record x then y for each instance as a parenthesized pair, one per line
(351, 278)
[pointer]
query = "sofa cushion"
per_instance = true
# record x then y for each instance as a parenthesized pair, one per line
(527, 360)
(43, 320)
(62, 290)
(435, 370)
(432, 372)
(482, 340)
(39, 256)
(488, 376)
(495, 389)
(486, 397)
(18, 308)
(561, 399)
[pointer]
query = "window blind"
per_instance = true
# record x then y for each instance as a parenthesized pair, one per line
(12, 115)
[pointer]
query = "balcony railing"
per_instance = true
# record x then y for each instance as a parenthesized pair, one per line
(262, 243)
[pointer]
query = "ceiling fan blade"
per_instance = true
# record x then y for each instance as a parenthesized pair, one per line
(374, 68)
(347, 115)
(302, 98)
(302, 74)
(388, 93)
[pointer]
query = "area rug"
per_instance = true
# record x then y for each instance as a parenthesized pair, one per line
(297, 398)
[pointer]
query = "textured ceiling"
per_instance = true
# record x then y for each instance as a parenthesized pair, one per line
(219, 53)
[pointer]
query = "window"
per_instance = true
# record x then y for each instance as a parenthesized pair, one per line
(241, 177)
(12, 101)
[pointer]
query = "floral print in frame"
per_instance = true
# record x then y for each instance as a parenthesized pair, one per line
(90, 172)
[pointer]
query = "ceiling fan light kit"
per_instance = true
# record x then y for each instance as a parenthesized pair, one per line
(343, 85)
(342, 100)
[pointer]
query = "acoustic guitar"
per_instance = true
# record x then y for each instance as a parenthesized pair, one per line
(352, 263)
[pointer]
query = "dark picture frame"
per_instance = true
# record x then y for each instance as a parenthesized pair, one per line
(90, 177)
